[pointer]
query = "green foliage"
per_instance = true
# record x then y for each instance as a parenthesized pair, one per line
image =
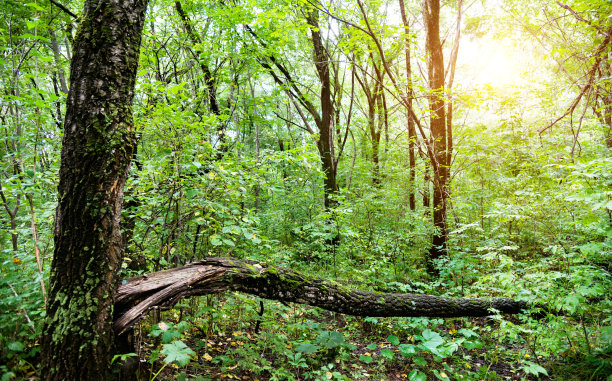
(177, 352)
(529, 215)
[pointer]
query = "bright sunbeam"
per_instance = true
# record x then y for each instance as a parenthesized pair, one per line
(491, 62)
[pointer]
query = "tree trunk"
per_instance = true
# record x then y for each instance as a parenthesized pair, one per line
(426, 192)
(431, 15)
(325, 125)
(603, 111)
(99, 141)
(213, 275)
(58, 62)
(381, 113)
(375, 140)
(373, 112)
(412, 137)
(323, 119)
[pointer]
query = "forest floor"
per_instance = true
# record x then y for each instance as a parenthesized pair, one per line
(234, 336)
(289, 346)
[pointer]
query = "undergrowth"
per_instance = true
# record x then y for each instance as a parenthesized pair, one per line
(225, 337)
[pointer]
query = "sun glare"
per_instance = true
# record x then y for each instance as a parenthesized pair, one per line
(491, 62)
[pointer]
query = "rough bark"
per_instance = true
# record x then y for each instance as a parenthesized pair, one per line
(165, 288)
(98, 145)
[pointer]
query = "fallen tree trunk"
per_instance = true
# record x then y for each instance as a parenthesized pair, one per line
(163, 289)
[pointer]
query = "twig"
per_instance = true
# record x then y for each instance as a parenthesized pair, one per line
(63, 8)
(576, 142)
(25, 314)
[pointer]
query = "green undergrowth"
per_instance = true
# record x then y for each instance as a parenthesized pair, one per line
(227, 336)
(216, 337)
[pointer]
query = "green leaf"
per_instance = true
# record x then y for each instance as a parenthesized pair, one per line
(36, 6)
(231, 229)
(169, 335)
(533, 368)
(388, 353)
(571, 303)
(417, 375)
(16, 346)
(393, 340)
(191, 193)
(177, 352)
(366, 359)
(606, 333)
(431, 340)
(468, 332)
(330, 339)
(122, 357)
(473, 344)
(407, 349)
(307, 348)
(420, 361)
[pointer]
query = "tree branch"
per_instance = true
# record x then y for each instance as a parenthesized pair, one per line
(63, 8)
(589, 84)
(580, 18)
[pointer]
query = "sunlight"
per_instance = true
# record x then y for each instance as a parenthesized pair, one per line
(492, 62)
(500, 67)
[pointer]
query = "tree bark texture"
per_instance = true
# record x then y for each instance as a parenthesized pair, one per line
(602, 107)
(98, 146)
(212, 275)
(325, 144)
(431, 15)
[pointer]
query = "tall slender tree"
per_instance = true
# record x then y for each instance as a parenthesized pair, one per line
(437, 124)
(412, 136)
(371, 82)
(325, 115)
(325, 143)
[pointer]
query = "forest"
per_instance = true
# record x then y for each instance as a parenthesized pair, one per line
(306, 190)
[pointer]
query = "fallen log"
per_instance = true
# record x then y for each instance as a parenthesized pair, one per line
(163, 289)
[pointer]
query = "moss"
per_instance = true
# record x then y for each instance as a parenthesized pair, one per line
(106, 34)
(292, 283)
